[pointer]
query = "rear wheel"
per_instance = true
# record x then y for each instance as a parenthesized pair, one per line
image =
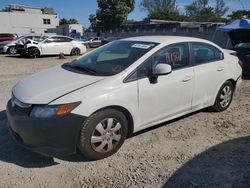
(103, 134)
(34, 53)
(12, 50)
(224, 97)
(75, 52)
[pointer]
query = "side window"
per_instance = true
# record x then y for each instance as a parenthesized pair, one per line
(204, 53)
(64, 39)
(176, 55)
(60, 39)
(50, 40)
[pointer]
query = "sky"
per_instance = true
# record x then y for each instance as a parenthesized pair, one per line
(80, 9)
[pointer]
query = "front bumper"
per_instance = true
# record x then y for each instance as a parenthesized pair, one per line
(55, 136)
(3, 49)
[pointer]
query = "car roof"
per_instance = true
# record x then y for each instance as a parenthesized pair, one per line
(166, 39)
(59, 36)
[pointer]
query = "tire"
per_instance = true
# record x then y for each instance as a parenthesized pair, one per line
(12, 50)
(75, 52)
(102, 134)
(224, 97)
(87, 45)
(34, 53)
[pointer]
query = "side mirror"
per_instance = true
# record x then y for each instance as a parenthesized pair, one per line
(162, 69)
(159, 70)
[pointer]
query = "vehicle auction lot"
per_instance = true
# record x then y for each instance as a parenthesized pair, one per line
(205, 149)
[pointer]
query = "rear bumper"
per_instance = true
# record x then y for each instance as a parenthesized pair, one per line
(55, 136)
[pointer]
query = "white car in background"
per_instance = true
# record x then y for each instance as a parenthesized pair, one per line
(128, 85)
(54, 45)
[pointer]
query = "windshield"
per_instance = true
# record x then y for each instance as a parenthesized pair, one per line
(111, 59)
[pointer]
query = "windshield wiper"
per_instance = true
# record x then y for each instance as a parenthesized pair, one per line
(82, 69)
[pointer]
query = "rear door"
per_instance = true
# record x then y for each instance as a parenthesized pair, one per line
(51, 46)
(65, 44)
(209, 68)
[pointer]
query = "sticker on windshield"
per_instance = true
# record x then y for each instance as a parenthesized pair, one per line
(142, 46)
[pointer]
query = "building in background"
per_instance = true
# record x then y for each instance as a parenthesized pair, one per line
(23, 20)
(70, 30)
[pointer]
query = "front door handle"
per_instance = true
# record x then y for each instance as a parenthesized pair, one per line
(187, 78)
(220, 69)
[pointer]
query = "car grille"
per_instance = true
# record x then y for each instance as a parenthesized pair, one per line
(1, 48)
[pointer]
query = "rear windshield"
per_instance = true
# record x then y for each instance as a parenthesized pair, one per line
(112, 58)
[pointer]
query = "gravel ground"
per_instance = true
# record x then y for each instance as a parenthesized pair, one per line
(204, 149)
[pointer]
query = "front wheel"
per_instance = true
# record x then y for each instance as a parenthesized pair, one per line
(224, 97)
(34, 53)
(75, 52)
(103, 134)
(12, 50)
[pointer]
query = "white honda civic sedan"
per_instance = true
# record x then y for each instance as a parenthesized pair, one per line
(96, 101)
(54, 45)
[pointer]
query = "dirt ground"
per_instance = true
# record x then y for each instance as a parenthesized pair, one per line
(204, 149)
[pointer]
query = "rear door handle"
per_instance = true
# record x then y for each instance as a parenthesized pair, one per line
(220, 69)
(187, 78)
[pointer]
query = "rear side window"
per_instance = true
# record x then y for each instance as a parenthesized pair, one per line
(65, 39)
(62, 39)
(204, 53)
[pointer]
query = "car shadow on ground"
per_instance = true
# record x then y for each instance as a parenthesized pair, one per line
(10, 152)
(167, 123)
(224, 165)
(41, 57)
(247, 77)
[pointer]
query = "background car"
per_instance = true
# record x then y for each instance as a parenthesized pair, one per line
(93, 42)
(7, 37)
(54, 45)
(243, 52)
(16, 46)
(81, 38)
(109, 39)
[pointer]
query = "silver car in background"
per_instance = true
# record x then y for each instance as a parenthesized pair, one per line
(12, 47)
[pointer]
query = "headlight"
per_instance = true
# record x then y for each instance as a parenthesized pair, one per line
(46, 111)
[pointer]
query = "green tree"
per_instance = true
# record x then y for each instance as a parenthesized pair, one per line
(73, 21)
(161, 9)
(111, 13)
(93, 21)
(239, 14)
(70, 21)
(220, 8)
(200, 10)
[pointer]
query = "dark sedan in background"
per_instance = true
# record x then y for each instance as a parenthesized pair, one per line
(243, 53)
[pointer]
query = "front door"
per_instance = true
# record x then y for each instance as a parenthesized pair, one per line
(172, 94)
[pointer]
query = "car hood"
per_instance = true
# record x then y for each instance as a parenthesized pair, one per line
(50, 84)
